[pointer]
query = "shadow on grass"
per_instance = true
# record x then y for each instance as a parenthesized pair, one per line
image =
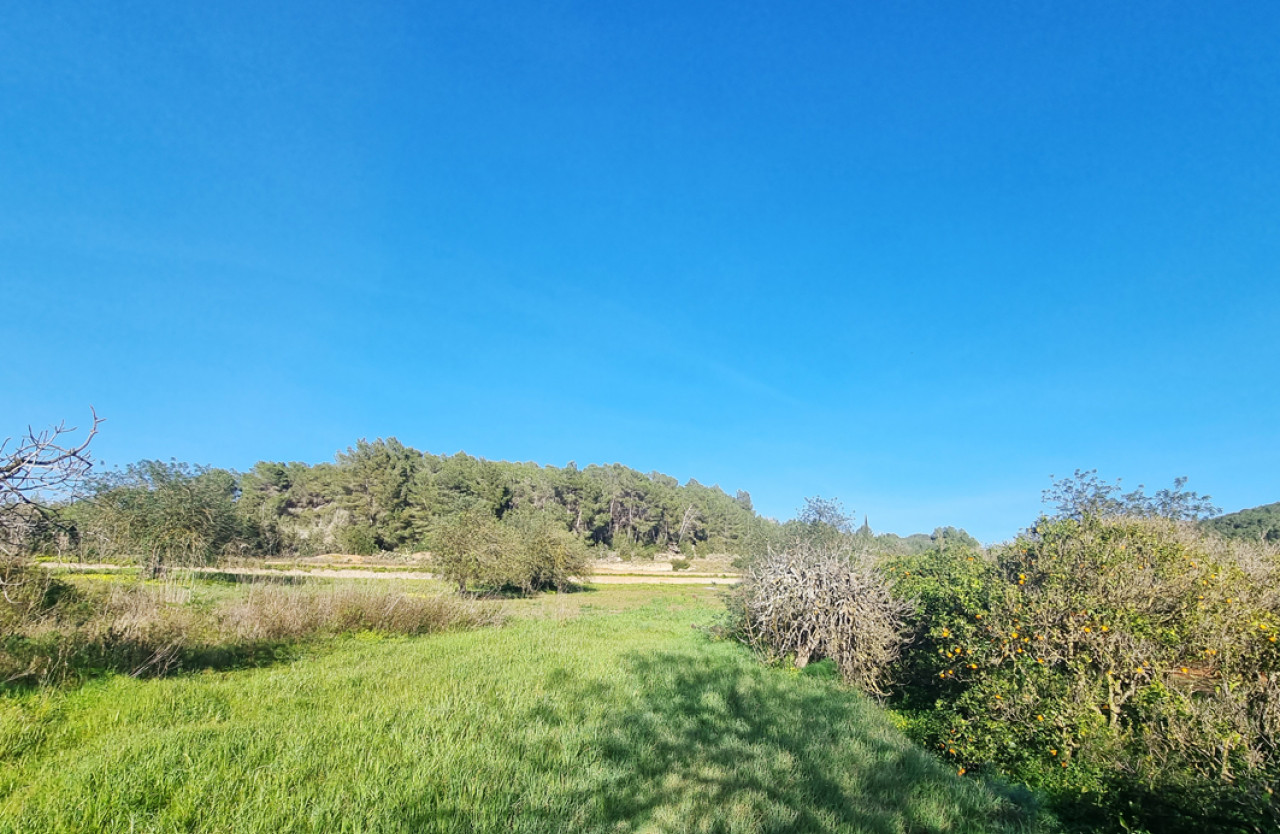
(1185, 807)
(70, 661)
(511, 593)
(761, 747)
(701, 742)
(234, 578)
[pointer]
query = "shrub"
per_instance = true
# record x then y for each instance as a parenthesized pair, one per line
(358, 539)
(1114, 655)
(527, 552)
(811, 603)
(28, 593)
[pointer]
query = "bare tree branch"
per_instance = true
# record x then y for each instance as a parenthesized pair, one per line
(37, 469)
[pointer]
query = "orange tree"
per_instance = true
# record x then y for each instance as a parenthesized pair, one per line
(1120, 657)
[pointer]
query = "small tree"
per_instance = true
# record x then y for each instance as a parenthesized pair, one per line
(472, 547)
(1084, 494)
(37, 471)
(550, 556)
(164, 513)
(823, 523)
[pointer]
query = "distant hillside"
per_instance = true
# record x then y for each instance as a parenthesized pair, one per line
(1259, 523)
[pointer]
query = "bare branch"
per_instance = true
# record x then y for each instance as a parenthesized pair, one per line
(40, 469)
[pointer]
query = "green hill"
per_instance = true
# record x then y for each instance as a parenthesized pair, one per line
(1256, 524)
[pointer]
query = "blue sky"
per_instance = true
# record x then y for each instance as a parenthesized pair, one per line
(916, 256)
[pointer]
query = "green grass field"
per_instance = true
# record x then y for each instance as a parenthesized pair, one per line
(601, 711)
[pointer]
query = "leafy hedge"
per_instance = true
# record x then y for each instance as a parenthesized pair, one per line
(1118, 659)
(1127, 667)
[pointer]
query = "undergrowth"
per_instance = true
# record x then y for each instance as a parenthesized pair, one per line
(54, 632)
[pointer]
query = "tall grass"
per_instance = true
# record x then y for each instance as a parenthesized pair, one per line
(63, 632)
(603, 715)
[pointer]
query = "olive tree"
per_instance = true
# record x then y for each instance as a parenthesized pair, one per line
(163, 513)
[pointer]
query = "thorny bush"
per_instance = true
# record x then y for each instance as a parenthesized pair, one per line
(811, 603)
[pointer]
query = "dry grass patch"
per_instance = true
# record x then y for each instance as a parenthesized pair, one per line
(56, 632)
(275, 612)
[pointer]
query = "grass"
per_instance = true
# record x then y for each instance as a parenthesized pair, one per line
(59, 631)
(601, 711)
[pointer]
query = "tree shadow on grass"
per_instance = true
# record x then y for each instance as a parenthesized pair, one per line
(700, 742)
(762, 751)
(236, 578)
(75, 661)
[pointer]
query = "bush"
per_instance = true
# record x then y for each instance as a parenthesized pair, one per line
(1127, 657)
(811, 603)
(527, 552)
(358, 540)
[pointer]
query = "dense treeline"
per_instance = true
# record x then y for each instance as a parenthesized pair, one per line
(384, 496)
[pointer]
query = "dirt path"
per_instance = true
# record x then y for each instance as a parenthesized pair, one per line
(663, 579)
(359, 573)
(323, 573)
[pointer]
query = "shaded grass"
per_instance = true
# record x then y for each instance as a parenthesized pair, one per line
(607, 714)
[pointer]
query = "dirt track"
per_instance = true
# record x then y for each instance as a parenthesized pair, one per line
(663, 579)
(364, 573)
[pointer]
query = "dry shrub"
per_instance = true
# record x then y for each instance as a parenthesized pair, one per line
(145, 629)
(821, 603)
(27, 594)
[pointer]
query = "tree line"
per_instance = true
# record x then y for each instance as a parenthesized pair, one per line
(384, 496)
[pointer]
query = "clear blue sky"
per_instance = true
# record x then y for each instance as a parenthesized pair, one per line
(916, 256)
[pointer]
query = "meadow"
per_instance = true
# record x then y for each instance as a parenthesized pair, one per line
(610, 709)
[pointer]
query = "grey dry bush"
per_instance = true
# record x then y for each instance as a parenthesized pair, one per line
(822, 602)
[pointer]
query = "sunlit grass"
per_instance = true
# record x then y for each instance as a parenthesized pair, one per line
(597, 711)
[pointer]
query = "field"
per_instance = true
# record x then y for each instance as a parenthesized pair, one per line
(603, 710)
